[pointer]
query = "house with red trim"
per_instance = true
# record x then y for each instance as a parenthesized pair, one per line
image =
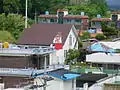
(64, 17)
(61, 36)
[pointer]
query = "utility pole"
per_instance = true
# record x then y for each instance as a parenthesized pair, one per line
(26, 5)
(35, 16)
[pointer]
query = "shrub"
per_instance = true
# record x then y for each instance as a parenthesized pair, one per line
(100, 37)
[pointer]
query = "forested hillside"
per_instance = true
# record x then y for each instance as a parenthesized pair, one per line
(12, 12)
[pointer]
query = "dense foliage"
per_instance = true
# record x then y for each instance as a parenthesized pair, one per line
(92, 7)
(6, 36)
(12, 12)
(100, 37)
(12, 23)
(72, 56)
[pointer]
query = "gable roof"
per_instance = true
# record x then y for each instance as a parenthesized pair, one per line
(43, 34)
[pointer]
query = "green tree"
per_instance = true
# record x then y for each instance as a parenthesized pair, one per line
(109, 30)
(2, 21)
(100, 37)
(1, 6)
(6, 36)
(91, 8)
(85, 35)
(11, 6)
(13, 23)
(72, 55)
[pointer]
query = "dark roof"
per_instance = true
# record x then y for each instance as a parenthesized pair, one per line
(64, 74)
(78, 27)
(43, 34)
(89, 78)
(61, 72)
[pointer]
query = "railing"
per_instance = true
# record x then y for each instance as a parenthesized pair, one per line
(26, 51)
(29, 71)
(96, 70)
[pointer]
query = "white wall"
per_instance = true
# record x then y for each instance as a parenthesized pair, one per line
(56, 84)
(103, 58)
(70, 85)
(59, 55)
(118, 16)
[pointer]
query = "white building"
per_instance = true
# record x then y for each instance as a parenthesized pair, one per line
(105, 55)
(45, 34)
(61, 80)
(108, 61)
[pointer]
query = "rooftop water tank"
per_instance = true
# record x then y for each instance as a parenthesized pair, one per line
(82, 13)
(46, 12)
(98, 16)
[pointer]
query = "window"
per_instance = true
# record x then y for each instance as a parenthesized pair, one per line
(70, 40)
(52, 20)
(65, 53)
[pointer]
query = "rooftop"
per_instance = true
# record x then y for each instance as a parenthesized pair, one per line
(44, 34)
(25, 52)
(101, 19)
(65, 17)
(28, 72)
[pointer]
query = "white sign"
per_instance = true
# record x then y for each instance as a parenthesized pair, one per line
(58, 38)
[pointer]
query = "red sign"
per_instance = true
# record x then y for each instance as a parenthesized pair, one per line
(58, 46)
(58, 41)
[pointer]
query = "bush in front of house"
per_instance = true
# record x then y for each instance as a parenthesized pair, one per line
(100, 37)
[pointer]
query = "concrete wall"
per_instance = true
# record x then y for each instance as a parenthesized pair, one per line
(100, 84)
(56, 84)
(13, 81)
(103, 58)
(13, 61)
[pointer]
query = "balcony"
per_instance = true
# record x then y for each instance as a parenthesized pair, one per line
(96, 70)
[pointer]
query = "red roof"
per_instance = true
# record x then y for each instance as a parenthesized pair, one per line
(66, 17)
(76, 17)
(115, 12)
(101, 19)
(48, 16)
